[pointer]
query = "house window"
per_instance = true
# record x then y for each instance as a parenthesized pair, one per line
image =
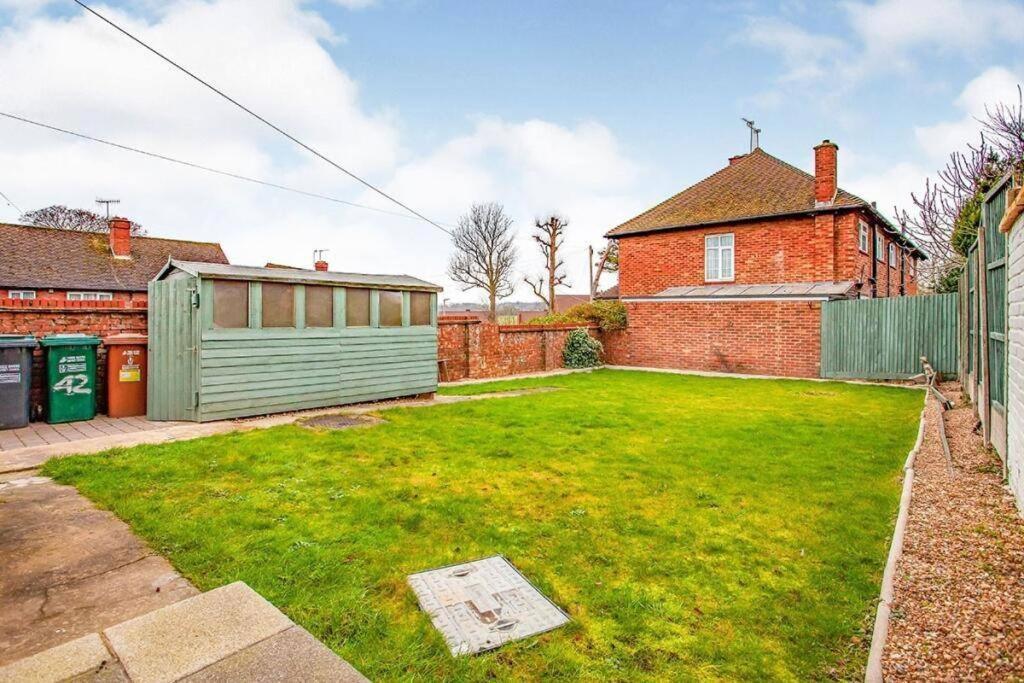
(892, 255)
(862, 238)
(390, 309)
(880, 248)
(21, 294)
(419, 308)
(319, 306)
(278, 305)
(357, 307)
(718, 258)
(230, 304)
(90, 296)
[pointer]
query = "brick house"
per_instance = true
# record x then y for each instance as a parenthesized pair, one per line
(57, 281)
(729, 274)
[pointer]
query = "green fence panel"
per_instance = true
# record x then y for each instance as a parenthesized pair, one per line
(995, 292)
(885, 338)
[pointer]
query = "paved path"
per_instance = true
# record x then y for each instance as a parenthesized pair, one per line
(68, 569)
(43, 434)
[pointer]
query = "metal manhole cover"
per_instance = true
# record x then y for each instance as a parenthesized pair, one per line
(336, 421)
(481, 605)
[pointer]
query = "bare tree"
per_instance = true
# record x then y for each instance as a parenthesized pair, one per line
(76, 220)
(549, 236)
(485, 253)
(607, 262)
(946, 215)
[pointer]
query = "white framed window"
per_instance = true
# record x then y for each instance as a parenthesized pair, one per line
(21, 294)
(879, 248)
(719, 258)
(90, 296)
(892, 254)
(863, 241)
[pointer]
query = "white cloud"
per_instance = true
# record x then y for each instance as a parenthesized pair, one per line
(805, 55)
(79, 74)
(994, 85)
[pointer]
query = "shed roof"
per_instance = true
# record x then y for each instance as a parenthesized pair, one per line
(316, 277)
(801, 290)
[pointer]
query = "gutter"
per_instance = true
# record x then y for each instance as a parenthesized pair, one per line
(705, 299)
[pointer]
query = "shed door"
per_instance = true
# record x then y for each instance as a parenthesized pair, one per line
(173, 349)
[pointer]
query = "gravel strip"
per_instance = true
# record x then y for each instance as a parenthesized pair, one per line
(958, 614)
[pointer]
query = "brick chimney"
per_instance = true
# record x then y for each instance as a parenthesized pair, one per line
(825, 171)
(321, 265)
(121, 237)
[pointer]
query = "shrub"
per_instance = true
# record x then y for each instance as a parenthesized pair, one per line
(581, 350)
(608, 315)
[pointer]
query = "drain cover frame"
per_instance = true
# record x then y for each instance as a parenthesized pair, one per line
(483, 604)
(337, 421)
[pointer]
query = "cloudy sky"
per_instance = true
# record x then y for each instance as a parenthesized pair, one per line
(596, 110)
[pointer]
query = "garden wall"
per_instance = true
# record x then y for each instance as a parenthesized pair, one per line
(40, 317)
(780, 338)
(474, 349)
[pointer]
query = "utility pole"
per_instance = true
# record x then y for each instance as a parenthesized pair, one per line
(590, 262)
(107, 203)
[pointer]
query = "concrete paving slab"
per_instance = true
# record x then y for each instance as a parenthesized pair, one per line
(68, 569)
(186, 637)
(85, 658)
(292, 655)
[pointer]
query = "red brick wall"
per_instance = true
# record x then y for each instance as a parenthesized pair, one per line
(752, 337)
(820, 248)
(474, 349)
(40, 318)
(62, 294)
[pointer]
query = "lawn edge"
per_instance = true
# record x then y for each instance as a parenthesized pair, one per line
(873, 672)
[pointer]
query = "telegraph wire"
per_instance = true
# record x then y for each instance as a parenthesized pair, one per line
(208, 169)
(252, 113)
(11, 202)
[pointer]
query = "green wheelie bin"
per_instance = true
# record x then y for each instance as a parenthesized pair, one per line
(70, 377)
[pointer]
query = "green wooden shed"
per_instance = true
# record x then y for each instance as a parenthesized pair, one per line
(234, 341)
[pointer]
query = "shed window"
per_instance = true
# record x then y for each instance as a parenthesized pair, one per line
(419, 308)
(718, 258)
(879, 248)
(357, 307)
(862, 238)
(278, 305)
(230, 303)
(390, 309)
(319, 306)
(892, 254)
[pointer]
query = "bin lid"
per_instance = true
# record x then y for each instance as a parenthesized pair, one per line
(17, 341)
(70, 340)
(125, 338)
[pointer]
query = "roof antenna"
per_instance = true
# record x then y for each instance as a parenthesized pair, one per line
(107, 203)
(754, 134)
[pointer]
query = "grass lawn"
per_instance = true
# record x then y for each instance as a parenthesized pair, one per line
(693, 528)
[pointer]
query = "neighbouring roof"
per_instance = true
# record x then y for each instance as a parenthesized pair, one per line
(757, 185)
(48, 258)
(564, 302)
(824, 290)
(610, 293)
(229, 272)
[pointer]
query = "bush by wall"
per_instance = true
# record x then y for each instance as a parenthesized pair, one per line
(581, 350)
(608, 315)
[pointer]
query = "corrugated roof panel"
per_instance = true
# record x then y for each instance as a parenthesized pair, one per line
(306, 276)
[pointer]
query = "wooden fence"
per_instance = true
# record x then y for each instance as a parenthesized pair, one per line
(885, 338)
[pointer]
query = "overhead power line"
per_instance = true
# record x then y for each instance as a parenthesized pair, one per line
(208, 169)
(11, 202)
(252, 113)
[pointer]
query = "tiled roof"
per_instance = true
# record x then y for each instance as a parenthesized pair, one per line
(48, 258)
(610, 293)
(756, 185)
